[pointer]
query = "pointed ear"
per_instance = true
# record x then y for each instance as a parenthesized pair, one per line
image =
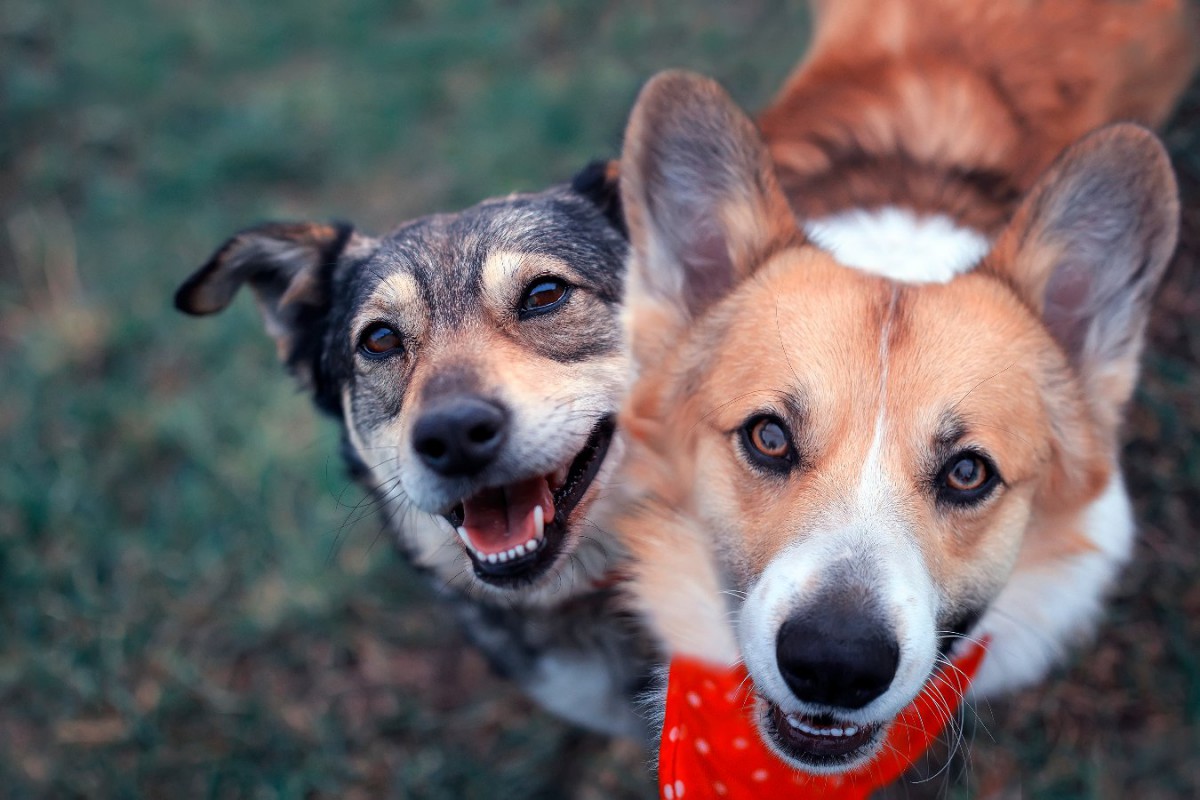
(288, 266)
(599, 182)
(700, 196)
(1088, 247)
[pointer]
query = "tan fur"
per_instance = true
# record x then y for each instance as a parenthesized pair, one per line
(959, 108)
(978, 89)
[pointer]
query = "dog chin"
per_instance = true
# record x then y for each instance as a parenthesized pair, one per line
(819, 744)
(518, 535)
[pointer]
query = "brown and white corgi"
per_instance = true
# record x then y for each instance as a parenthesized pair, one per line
(884, 349)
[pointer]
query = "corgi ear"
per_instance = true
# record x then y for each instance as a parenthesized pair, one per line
(1087, 249)
(287, 265)
(700, 196)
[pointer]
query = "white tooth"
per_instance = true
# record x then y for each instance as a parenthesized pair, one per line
(519, 550)
(851, 730)
(560, 475)
(836, 732)
(503, 557)
(493, 559)
(539, 522)
(795, 723)
(462, 534)
(532, 545)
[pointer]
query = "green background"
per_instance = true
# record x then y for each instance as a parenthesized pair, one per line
(193, 600)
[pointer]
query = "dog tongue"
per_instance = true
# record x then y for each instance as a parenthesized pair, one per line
(501, 518)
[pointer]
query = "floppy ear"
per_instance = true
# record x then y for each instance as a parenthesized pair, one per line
(1087, 249)
(700, 197)
(288, 266)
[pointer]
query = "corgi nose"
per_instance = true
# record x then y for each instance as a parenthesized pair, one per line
(840, 660)
(460, 436)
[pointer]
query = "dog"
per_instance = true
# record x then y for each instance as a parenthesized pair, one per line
(476, 364)
(883, 343)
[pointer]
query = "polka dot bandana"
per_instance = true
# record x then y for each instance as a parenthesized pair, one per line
(711, 748)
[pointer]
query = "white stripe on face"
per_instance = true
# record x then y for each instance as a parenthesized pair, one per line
(870, 541)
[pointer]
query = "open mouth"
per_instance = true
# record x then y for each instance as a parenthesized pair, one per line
(820, 740)
(513, 533)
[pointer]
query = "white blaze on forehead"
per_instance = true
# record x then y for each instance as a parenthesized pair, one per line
(898, 244)
(873, 489)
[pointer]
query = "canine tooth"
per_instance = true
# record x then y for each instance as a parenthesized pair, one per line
(539, 522)
(560, 475)
(466, 540)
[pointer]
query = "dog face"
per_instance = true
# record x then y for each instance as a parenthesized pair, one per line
(864, 462)
(476, 361)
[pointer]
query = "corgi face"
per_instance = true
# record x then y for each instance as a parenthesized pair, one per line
(865, 462)
(872, 475)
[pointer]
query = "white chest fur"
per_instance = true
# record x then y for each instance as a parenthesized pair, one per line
(898, 244)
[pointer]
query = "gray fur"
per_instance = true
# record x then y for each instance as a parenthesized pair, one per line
(575, 651)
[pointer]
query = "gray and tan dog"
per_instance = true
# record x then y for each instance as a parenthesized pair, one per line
(476, 364)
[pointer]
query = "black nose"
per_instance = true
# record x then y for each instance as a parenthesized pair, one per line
(836, 659)
(460, 436)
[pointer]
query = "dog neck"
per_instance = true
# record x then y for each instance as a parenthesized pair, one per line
(711, 748)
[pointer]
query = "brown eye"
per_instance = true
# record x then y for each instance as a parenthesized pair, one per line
(379, 340)
(543, 295)
(967, 478)
(766, 441)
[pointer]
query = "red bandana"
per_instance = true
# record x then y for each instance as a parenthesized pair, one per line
(711, 749)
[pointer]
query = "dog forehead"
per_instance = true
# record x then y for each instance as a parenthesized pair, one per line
(442, 260)
(853, 349)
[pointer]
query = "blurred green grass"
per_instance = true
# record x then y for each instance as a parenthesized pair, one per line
(192, 603)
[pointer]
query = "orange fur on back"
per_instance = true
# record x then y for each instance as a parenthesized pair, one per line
(966, 102)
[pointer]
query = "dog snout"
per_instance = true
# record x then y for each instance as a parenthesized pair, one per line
(460, 436)
(833, 658)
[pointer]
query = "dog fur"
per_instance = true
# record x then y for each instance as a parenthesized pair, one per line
(1010, 341)
(448, 289)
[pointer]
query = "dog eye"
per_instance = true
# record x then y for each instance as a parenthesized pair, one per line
(544, 294)
(379, 340)
(766, 441)
(967, 478)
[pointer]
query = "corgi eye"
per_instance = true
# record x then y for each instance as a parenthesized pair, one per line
(966, 478)
(766, 441)
(379, 340)
(544, 294)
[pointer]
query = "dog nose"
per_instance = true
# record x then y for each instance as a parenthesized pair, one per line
(460, 436)
(843, 660)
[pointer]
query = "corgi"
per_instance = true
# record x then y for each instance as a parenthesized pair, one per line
(475, 363)
(883, 343)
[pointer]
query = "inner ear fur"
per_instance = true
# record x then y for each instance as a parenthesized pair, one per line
(700, 195)
(288, 267)
(1088, 247)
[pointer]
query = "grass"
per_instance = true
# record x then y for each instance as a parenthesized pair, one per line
(191, 604)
